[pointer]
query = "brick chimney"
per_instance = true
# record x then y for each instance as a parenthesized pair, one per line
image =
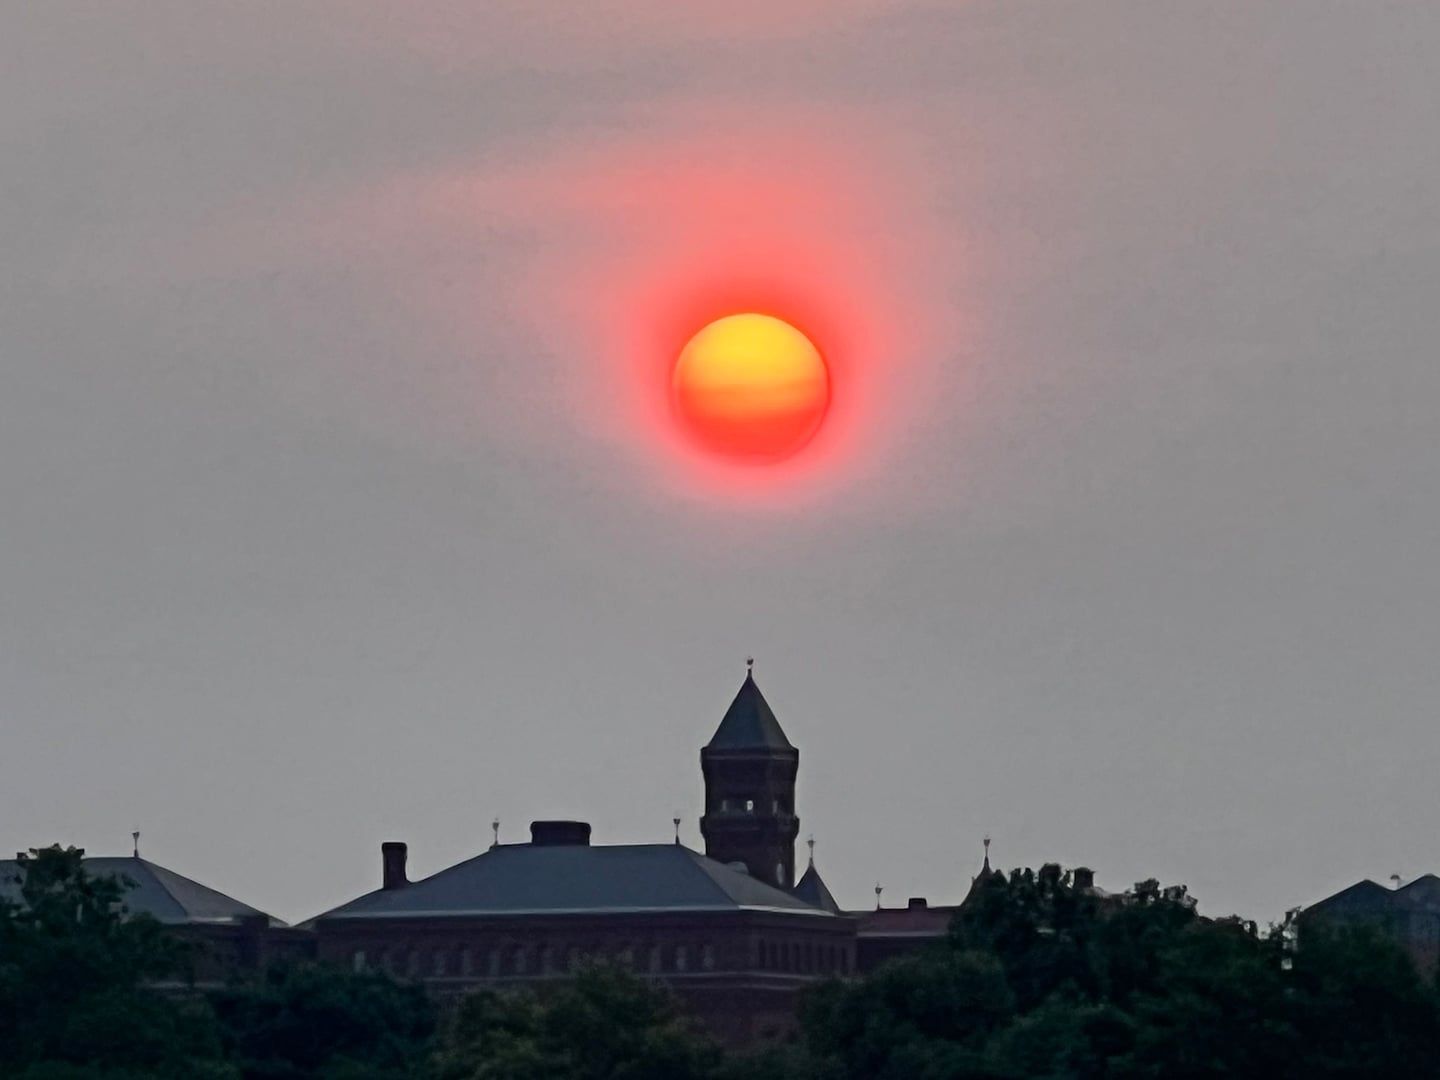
(392, 864)
(560, 834)
(1083, 877)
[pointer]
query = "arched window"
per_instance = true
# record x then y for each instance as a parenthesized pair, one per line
(707, 957)
(682, 958)
(357, 961)
(779, 873)
(521, 960)
(465, 962)
(749, 806)
(655, 958)
(437, 962)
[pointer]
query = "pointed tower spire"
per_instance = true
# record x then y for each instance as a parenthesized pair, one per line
(984, 877)
(811, 887)
(749, 723)
(749, 768)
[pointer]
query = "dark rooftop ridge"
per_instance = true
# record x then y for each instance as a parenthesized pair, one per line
(163, 894)
(565, 879)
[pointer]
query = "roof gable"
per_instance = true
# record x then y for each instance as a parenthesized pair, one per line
(1362, 896)
(1423, 892)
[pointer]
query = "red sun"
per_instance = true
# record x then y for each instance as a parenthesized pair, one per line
(751, 387)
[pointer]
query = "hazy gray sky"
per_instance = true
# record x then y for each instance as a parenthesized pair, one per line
(338, 505)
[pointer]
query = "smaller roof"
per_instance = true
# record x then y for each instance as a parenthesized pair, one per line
(906, 922)
(812, 889)
(749, 723)
(164, 895)
(1423, 892)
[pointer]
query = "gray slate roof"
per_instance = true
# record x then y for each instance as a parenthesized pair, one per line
(749, 723)
(514, 879)
(163, 894)
(812, 889)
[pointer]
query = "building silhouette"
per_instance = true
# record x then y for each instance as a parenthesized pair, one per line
(230, 937)
(749, 768)
(1409, 915)
(729, 930)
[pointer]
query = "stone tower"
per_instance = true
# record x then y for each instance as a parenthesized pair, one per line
(749, 768)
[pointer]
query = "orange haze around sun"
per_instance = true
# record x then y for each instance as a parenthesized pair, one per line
(592, 264)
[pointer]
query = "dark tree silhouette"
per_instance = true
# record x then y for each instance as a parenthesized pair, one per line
(76, 978)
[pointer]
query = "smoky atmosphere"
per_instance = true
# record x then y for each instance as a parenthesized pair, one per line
(413, 417)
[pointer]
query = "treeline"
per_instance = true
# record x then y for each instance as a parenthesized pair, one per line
(1038, 978)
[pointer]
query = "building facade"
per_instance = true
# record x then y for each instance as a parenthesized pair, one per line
(727, 930)
(1409, 915)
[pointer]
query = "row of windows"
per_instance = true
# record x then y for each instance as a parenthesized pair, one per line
(408, 962)
(739, 805)
(509, 960)
(804, 957)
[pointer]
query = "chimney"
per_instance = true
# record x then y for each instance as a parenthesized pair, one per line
(392, 863)
(917, 903)
(1083, 877)
(559, 834)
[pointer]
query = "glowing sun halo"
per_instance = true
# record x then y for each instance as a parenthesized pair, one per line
(751, 386)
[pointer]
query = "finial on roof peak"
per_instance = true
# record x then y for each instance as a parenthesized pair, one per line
(676, 819)
(810, 843)
(878, 890)
(135, 839)
(986, 867)
(495, 829)
(749, 665)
